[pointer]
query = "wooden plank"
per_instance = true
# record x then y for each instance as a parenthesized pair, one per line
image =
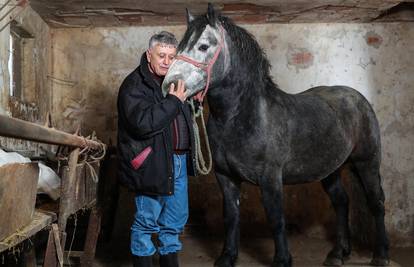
(143, 12)
(54, 252)
(59, 251)
(91, 238)
(30, 258)
(41, 219)
(50, 254)
(84, 189)
(80, 187)
(66, 207)
(91, 186)
(73, 253)
(18, 186)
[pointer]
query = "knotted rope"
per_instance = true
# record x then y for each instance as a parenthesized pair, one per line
(200, 162)
(87, 157)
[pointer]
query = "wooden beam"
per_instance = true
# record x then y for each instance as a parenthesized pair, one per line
(16, 128)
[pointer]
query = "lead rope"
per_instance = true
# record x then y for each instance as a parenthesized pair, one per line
(200, 162)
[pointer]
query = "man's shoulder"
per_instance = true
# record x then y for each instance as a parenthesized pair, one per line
(133, 82)
(133, 77)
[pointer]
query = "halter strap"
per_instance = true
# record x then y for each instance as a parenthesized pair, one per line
(205, 66)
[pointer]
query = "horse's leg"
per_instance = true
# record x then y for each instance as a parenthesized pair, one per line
(339, 198)
(231, 201)
(368, 172)
(272, 197)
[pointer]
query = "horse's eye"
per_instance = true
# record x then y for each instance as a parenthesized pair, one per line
(203, 48)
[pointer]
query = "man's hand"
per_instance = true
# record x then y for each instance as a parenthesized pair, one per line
(180, 92)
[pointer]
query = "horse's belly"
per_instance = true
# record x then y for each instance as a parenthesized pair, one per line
(313, 169)
(290, 179)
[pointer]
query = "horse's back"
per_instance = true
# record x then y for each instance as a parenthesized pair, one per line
(340, 98)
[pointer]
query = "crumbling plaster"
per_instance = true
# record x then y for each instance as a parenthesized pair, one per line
(35, 100)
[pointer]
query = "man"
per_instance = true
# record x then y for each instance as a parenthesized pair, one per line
(155, 141)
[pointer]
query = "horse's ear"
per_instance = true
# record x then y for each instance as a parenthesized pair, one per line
(211, 14)
(190, 17)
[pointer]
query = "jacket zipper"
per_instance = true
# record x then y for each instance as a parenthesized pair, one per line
(192, 141)
(170, 165)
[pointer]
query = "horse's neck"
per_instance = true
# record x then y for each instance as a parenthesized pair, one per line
(232, 98)
(224, 103)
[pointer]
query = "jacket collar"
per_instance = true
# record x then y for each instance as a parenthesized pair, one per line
(146, 73)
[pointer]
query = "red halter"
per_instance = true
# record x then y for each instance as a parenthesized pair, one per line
(204, 66)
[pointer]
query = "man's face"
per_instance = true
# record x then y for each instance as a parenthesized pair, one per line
(160, 58)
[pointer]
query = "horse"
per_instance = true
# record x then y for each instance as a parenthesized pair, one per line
(265, 136)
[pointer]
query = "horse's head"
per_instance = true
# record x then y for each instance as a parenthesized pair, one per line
(201, 60)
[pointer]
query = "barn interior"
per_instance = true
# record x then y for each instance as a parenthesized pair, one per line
(61, 66)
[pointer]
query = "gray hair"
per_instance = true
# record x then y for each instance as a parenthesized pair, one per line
(163, 37)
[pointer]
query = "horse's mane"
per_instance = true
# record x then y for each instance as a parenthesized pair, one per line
(245, 46)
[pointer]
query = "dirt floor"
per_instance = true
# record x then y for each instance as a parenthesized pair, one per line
(201, 251)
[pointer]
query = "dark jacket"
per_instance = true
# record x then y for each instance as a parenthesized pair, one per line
(144, 134)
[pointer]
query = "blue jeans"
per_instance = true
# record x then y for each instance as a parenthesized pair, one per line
(165, 215)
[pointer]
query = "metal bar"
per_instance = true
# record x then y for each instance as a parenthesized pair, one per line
(16, 128)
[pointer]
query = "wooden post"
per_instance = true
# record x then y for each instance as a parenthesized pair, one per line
(94, 226)
(54, 251)
(50, 255)
(30, 258)
(67, 193)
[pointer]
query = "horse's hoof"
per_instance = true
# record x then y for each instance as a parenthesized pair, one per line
(280, 263)
(333, 261)
(380, 262)
(225, 261)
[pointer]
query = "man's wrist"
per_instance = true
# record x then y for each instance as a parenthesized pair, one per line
(172, 96)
